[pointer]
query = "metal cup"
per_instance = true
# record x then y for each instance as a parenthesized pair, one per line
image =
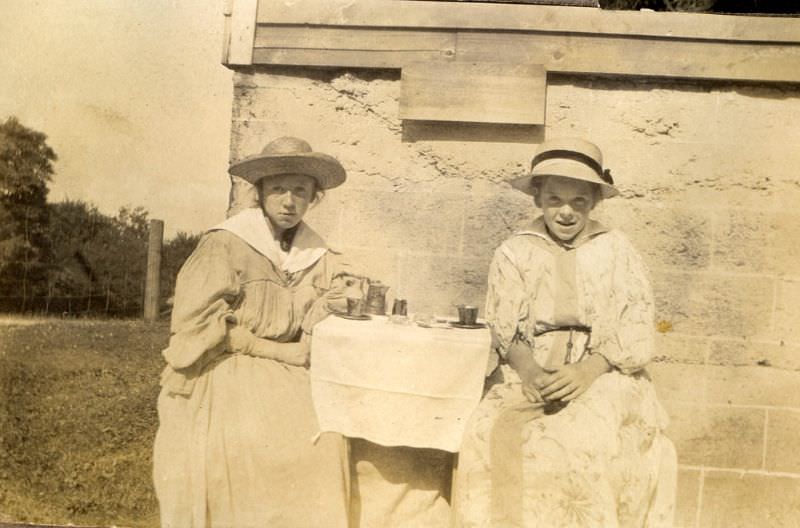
(400, 307)
(355, 306)
(467, 315)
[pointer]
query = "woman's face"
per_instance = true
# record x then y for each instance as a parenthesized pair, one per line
(285, 199)
(566, 204)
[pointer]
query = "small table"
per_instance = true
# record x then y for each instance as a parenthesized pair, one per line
(397, 384)
(402, 395)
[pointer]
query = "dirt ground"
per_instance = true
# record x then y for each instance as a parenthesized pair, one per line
(77, 420)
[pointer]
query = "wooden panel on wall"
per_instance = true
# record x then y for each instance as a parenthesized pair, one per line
(501, 17)
(393, 33)
(636, 56)
(355, 47)
(582, 54)
(478, 92)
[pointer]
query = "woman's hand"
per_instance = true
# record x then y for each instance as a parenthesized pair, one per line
(520, 357)
(242, 341)
(569, 381)
(345, 286)
(297, 354)
(530, 384)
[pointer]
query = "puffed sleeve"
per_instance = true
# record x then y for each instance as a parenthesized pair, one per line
(627, 340)
(507, 307)
(206, 288)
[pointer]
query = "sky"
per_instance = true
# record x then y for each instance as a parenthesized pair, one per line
(133, 98)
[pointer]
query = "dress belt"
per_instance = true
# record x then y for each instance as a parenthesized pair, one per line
(565, 328)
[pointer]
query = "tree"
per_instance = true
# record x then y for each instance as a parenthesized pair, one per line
(25, 170)
(175, 252)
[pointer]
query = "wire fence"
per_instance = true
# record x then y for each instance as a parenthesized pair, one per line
(70, 306)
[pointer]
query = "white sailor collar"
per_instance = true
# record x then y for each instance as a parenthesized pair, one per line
(539, 229)
(251, 226)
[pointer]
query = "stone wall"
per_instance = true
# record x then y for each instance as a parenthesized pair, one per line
(708, 179)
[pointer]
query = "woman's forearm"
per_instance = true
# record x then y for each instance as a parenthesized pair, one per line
(268, 348)
(520, 357)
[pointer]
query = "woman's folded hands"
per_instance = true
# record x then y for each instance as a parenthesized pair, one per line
(564, 383)
(569, 381)
(242, 341)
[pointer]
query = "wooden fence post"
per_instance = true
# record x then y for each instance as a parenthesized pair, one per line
(153, 280)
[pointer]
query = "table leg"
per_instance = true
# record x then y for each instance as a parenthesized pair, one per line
(454, 492)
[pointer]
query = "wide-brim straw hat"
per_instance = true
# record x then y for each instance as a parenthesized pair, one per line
(569, 158)
(290, 155)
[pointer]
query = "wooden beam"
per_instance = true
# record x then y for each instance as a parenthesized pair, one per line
(516, 17)
(637, 56)
(473, 92)
(240, 32)
(365, 48)
(581, 54)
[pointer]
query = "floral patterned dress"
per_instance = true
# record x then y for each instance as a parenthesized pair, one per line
(603, 460)
(235, 445)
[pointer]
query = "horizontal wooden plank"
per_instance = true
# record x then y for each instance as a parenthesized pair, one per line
(484, 92)
(641, 57)
(481, 16)
(343, 58)
(587, 54)
(368, 39)
(359, 48)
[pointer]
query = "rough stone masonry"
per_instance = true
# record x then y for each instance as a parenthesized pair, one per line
(708, 174)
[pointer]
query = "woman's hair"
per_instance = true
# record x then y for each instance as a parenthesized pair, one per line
(538, 183)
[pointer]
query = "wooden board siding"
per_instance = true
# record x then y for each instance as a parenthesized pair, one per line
(469, 92)
(580, 40)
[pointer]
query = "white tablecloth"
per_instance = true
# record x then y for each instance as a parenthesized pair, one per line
(397, 385)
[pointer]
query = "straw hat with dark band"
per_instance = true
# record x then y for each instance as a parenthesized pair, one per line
(570, 158)
(289, 155)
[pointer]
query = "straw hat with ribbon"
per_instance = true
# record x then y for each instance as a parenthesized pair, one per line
(290, 155)
(569, 158)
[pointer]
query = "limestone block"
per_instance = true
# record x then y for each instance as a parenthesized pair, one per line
(673, 348)
(571, 110)
(783, 430)
(669, 174)
(325, 216)
(383, 266)
(787, 190)
(724, 437)
(752, 386)
(733, 500)
(416, 222)
(677, 382)
(434, 284)
(746, 352)
(787, 312)
(758, 116)
(713, 305)
(757, 241)
(655, 114)
(664, 236)
(254, 97)
(687, 497)
(492, 218)
(751, 172)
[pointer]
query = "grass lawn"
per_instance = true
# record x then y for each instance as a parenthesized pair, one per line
(77, 420)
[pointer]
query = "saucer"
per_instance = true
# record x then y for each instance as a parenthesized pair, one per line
(363, 317)
(475, 326)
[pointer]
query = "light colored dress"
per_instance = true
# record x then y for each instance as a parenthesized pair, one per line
(603, 460)
(235, 442)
